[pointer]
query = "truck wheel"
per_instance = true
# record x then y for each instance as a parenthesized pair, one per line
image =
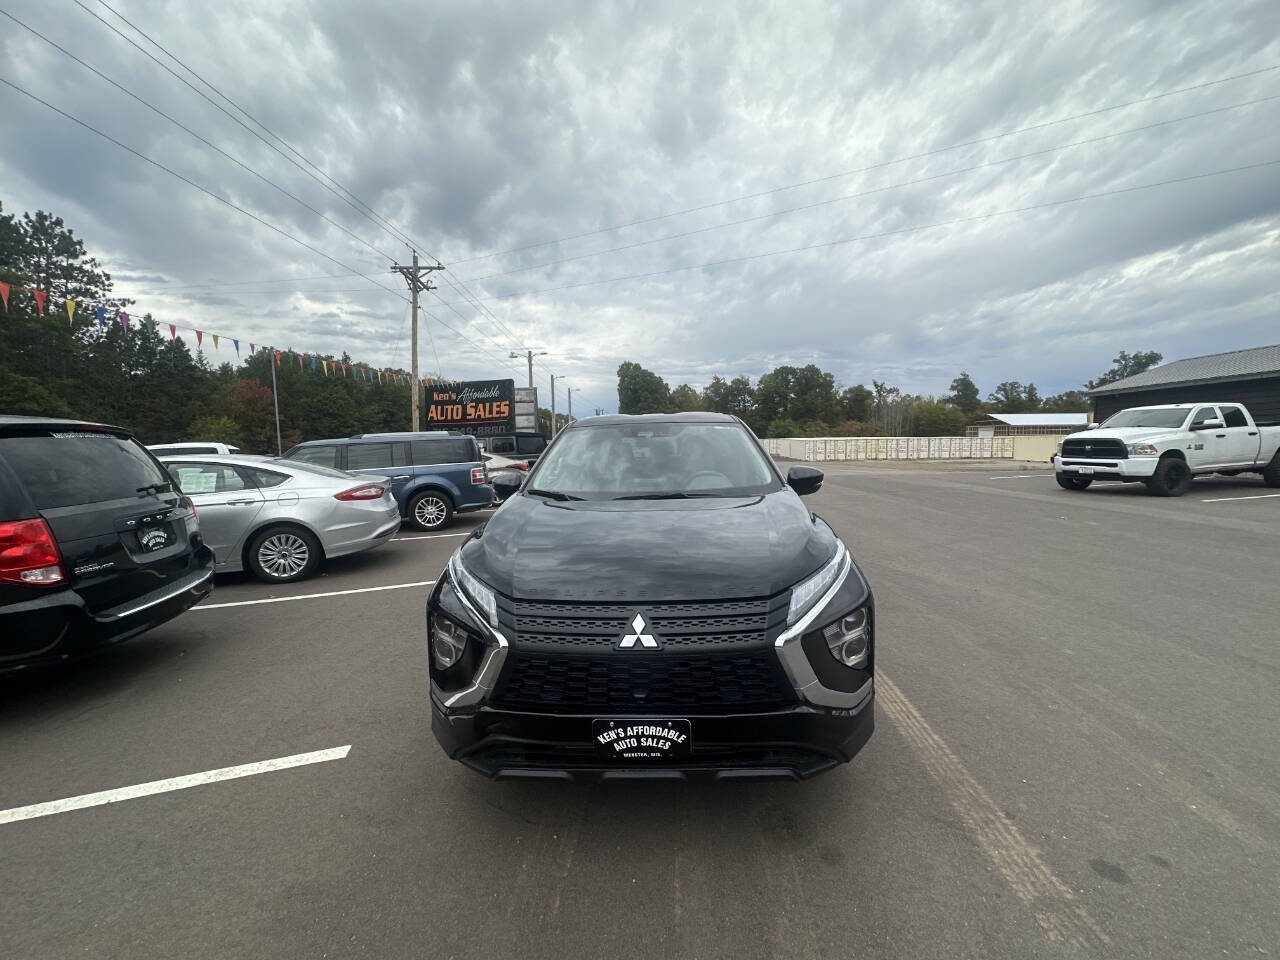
(1271, 472)
(1072, 483)
(430, 511)
(1171, 479)
(283, 554)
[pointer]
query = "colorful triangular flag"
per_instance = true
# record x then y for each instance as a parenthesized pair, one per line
(253, 348)
(4, 295)
(173, 331)
(101, 313)
(71, 310)
(41, 296)
(236, 344)
(215, 341)
(124, 321)
(299, 356)
(199, 339)
(277, 358)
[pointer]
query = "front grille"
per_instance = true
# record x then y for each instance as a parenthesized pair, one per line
(582, 627)
(626, 681)
(1099, 449)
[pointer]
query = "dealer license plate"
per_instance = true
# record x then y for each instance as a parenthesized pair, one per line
(154, 538)
(1084, 469)
(642, 739)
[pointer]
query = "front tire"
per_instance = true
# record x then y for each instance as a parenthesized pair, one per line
(431, 510)
(1072, 483)
(283, 554)
(1171, 479)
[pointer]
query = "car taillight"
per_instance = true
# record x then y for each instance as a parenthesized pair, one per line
(369, 491)
(28, 554)
(195, 514)
(478, 475)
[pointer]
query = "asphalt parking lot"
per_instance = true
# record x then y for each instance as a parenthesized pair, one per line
(1077, 754)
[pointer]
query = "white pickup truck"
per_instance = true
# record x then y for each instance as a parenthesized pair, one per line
(1166, 447)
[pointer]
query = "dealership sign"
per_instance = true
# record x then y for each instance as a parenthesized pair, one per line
(483, 408)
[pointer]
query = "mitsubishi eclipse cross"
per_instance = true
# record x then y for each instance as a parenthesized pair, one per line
(653, 601)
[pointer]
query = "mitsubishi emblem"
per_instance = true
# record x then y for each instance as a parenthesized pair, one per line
(638, 627)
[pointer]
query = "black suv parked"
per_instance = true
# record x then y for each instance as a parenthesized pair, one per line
(655, 601)
(96, 544)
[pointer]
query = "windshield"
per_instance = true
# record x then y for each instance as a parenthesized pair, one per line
(1156, 417)
(611, 461)
(64, 468)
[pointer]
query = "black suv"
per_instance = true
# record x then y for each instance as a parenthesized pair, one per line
(654, 601)
(96, 544)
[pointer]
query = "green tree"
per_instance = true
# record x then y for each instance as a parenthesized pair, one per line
(214, 429)
(964, 395)
(685, 398)
(641, 390)
(1125, 365)
(801, 394)
(1072, 401)
(934, 418)
(1012, 397)
(735, 397)
(856, 402)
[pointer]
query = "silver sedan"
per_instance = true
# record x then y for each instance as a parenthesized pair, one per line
(280, 519)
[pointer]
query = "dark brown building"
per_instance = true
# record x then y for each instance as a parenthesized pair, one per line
(1251, 377)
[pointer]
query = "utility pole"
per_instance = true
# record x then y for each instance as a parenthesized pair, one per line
(553, 405)
(529, 355)
(275, 399)
(413, 275)
(570, 413)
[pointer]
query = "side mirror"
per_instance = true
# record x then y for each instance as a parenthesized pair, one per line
(804, 480)
(1093, 426)
(1214, 424)
(506, 485)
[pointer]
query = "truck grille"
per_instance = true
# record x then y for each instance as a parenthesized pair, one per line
(715, 656)
(1099, 449)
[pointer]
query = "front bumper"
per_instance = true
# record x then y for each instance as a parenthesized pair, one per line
(791, 744)
(1130, 469)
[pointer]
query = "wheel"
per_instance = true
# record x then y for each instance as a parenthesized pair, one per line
(1271, 472)
(283, 554)
(1073, 483)
(1171, 479)
(431, 510)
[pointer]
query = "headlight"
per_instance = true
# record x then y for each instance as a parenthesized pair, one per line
(849, 638)
(1142, 449)
(478, 593)
(807, 592)
(448, 640)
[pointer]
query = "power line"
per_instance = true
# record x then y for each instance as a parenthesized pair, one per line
(875, 166)
(229, 203)
(891, 233)
(212, 146)
(883, 189)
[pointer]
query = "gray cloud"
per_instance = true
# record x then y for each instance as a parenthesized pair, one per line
(486, 127)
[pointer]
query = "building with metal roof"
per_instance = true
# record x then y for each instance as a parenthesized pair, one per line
(1251, 377)
(1026, 424)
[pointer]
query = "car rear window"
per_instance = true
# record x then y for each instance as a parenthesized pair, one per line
(375, 456)
(530, 444)
(449, 450)
(181, 451)
(67, 467)
(1234, 417)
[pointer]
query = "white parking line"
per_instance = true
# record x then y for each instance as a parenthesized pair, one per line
(173, 783)
(1258, 496)
(1021, 476)
(312, 596)
(432, 536)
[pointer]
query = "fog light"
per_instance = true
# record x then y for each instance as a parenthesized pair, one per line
(448, 640)
(848, 638)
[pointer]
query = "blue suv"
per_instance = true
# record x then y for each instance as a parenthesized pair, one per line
(433, 475)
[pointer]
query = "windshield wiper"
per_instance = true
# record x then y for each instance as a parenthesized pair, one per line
(552, 494)
(155, 487)
(683, 495)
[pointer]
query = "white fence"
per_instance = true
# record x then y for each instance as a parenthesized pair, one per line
(892, 448)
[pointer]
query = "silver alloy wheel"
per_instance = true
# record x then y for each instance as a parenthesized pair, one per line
(283, 555)
(429, 511)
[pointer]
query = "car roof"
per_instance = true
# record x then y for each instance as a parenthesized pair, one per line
(634, 418)
(13, 420)
(192, 443)
(384, 437)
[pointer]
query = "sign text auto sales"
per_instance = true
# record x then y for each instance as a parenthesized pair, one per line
(480, 407)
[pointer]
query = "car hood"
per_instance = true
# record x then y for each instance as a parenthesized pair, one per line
(1126, 434)
(649, 550)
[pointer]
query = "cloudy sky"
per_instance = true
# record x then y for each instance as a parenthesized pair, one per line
(620, 181)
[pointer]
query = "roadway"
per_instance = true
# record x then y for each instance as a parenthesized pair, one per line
(1077, 754)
